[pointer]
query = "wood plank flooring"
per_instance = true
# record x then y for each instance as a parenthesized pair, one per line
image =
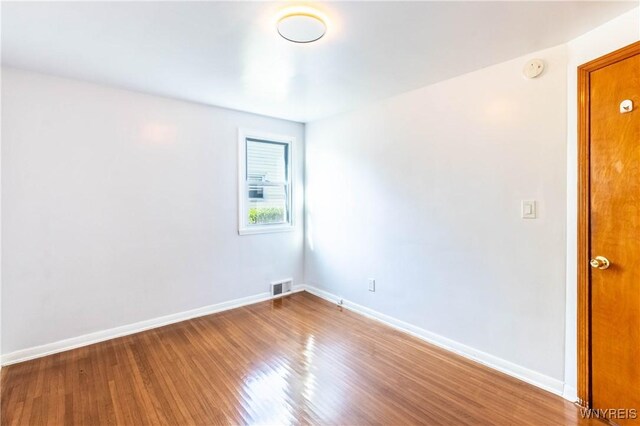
(295, 360)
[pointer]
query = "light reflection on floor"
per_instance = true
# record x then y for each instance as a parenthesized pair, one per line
(266, 394)
(269, 389)
(285, 390)
(309, 379)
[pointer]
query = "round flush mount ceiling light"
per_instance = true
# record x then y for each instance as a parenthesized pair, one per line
(302, 25)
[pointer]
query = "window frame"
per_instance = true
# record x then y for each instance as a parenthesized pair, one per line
(244, 228)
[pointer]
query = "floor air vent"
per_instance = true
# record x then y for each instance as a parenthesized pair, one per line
(281, 287)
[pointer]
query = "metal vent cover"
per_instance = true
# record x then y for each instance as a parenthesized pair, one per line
(276, 289)
(281, 287)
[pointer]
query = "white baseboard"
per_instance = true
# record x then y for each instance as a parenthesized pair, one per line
(535, 378)
(101, 336)
(570, 393)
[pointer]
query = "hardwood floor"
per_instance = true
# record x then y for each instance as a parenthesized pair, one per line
(298, 360)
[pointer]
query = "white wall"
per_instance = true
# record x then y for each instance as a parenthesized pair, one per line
(449, 252)
(617, 33)
(119, 207)
(422, 192)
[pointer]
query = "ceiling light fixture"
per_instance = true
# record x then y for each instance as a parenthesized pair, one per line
(302, 25)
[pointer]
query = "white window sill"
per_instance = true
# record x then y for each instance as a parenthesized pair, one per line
(266, 229)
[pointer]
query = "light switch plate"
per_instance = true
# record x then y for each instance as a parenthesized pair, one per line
(529, 209)
(372, 284)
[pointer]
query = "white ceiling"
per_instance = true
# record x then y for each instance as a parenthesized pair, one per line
(230, 54)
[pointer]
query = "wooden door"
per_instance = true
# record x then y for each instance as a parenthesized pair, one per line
(614, 199)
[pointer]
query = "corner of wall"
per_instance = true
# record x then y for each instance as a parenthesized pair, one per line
(0, 204)
(304, 205)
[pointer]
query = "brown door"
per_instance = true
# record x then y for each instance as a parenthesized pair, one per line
(614, 130)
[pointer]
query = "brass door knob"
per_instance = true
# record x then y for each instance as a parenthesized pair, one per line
(600, 262)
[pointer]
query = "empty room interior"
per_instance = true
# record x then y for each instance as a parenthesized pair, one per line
(327, 213)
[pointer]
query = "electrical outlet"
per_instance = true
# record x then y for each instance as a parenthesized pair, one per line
(372, 284)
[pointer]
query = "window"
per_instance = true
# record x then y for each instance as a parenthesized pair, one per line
(264, 183)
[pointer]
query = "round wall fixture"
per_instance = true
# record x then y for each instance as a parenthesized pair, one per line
(302, 27)
(533, 68)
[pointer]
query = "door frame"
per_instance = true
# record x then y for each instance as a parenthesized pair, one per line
(584, 225)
